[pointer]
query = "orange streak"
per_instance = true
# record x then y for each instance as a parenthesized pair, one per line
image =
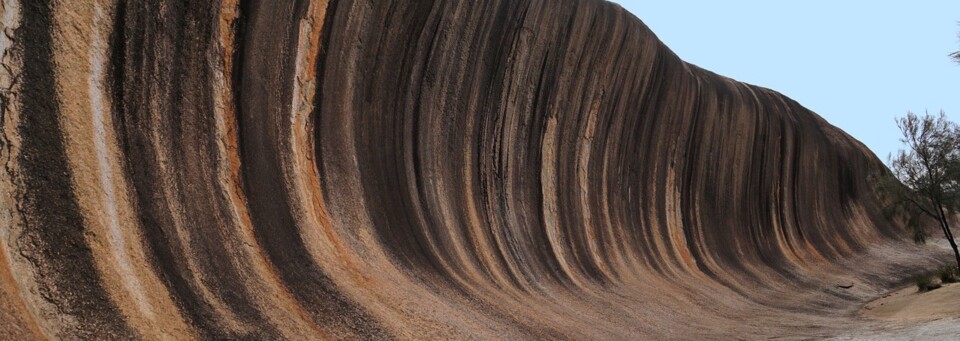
(230, 138)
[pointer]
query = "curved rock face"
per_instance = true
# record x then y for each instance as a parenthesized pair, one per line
(412, 169)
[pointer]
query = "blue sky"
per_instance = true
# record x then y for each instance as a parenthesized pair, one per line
(859, 64)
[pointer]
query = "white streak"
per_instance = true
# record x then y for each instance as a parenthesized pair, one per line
(105, 171)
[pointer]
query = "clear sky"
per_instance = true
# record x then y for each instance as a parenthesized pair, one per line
(859, 64)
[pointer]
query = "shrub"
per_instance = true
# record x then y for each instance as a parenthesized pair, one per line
(947, 274)
(924, 283)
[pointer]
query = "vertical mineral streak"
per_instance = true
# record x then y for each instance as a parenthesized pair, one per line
(81, 33)
(22, 309)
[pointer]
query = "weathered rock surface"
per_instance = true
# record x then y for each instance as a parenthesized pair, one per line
(413, 169)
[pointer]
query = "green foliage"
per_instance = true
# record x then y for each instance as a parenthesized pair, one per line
(923, 187)
(897, 196)
(929, 165)
(924, 283)
(947, 274)
(955, 56)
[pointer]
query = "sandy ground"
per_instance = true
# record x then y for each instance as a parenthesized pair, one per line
(906, 314)
(908, 304)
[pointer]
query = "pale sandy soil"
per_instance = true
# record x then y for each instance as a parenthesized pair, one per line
(909, 305)
(906, 314)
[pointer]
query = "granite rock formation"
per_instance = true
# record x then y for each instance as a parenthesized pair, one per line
(313, 169)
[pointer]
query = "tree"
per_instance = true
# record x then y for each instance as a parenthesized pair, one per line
(955, 56)
(925, 183)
